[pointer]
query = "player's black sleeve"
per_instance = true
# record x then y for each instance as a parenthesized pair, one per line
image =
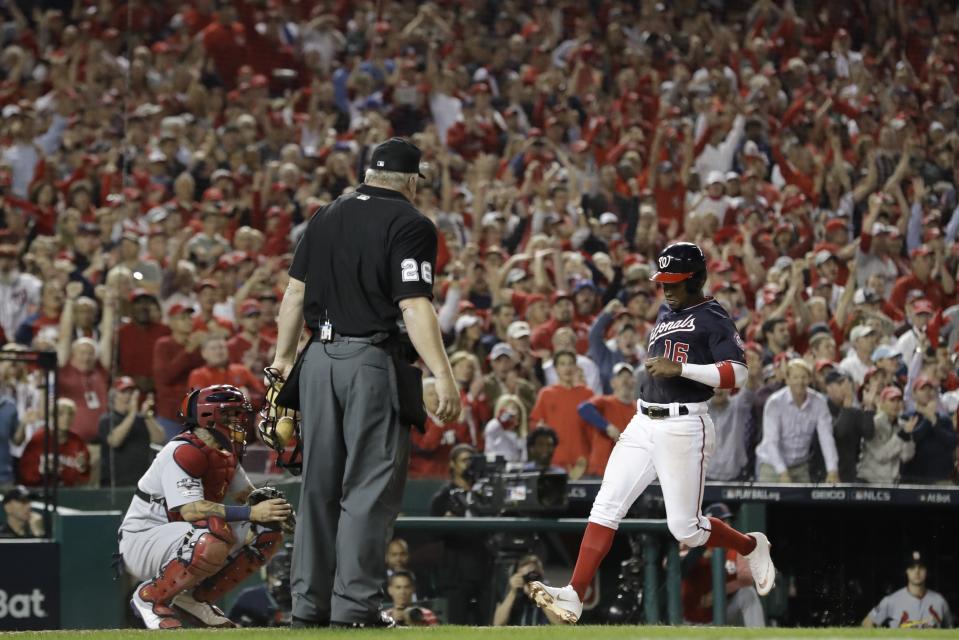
(412, 258)
(724, 340)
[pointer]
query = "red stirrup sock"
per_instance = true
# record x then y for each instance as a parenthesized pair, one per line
(595, 545)
(728, 538)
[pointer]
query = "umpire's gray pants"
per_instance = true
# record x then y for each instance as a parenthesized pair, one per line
(354, 469)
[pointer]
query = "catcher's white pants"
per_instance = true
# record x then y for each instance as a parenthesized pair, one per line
(674, 449)
(146, 552)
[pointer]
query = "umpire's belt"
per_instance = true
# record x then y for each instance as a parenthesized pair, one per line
(671, 410)
(374, 339)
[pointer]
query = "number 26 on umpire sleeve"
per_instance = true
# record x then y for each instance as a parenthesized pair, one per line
(410, 271)
(676, 352)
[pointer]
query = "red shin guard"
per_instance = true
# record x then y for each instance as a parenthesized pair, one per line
(209, 554)
(595, 545)
(724, 536)
(249, 560)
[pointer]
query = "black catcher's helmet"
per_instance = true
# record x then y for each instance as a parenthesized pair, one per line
(679, 262)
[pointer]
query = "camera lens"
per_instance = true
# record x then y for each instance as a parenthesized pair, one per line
(532, 576)
(415, 614)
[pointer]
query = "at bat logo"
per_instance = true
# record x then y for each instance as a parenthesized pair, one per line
(22, 605)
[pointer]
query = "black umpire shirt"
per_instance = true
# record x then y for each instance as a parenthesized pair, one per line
(361, 255)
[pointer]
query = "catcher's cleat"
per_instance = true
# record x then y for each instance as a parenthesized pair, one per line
(563, 602)
(761, 564)
(205, 553)
(154, 615)
(202, 614)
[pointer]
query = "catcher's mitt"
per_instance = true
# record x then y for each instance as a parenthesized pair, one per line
(263, 494)
(279, 426)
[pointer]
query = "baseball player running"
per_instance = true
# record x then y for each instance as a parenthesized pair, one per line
(178, 538)
(693, 349)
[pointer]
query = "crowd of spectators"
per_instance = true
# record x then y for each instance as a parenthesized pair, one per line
(159, 161)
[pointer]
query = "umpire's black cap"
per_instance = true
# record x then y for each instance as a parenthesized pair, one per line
(397, 154)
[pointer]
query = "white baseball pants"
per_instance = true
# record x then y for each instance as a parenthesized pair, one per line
(674, 449)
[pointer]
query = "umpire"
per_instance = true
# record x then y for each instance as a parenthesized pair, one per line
(362, 270)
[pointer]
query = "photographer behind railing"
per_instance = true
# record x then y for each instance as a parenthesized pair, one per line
(483, 486)
(401, 587)
(514, 609)
(450, 500)
(465, 562)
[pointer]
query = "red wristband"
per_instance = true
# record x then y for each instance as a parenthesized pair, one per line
(727, 377)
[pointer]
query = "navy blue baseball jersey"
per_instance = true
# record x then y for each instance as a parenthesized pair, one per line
(701, 334)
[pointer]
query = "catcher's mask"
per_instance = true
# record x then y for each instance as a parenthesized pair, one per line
(279, 426)
(223, 410)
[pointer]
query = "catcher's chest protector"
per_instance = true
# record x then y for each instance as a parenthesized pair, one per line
(214, 467)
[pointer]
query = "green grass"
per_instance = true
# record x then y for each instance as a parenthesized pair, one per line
(503, 633)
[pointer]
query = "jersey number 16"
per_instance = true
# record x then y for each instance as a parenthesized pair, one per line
(676, 352)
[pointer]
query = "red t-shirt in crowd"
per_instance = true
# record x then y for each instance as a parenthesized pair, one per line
(89, 392)
(601, 445)
(430, 450)
(74, 461)
(670, 205)
(136, 342)
(556, 406)
(235, 374)
(238, 345)
(542, 338)
(224, 43)
(172, 365)
(519, 300)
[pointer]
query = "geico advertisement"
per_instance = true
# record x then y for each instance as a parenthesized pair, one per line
(29, 585)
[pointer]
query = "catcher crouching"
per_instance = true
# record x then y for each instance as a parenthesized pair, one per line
(179, 538)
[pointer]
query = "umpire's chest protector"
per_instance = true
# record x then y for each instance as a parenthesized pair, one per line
(213, 467)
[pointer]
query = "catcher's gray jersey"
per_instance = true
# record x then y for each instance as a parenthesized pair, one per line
(166, 479)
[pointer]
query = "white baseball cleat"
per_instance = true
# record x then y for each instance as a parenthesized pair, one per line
(563, 602)
(761, 564)
(204, 613)
(154, 616)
